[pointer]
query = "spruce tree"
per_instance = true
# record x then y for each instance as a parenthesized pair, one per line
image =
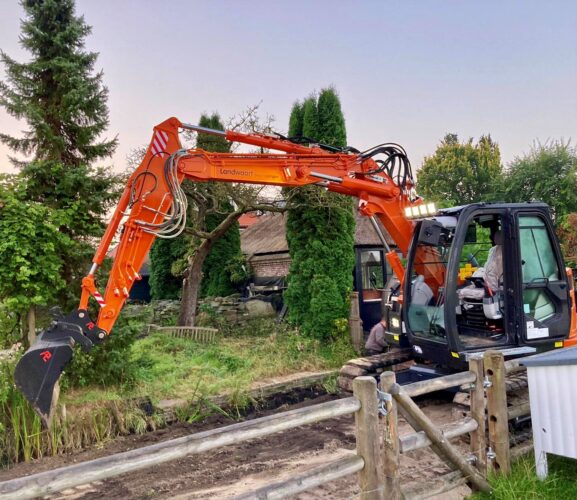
(63, 102)
(320, 230)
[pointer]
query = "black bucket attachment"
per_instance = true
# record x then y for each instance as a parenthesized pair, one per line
(38, 371)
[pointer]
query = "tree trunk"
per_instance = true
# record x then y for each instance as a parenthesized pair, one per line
(28, 328)
(193, 273)
(31, 320)
(191, 286)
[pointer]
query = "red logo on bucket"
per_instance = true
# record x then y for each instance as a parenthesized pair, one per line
(45, 355)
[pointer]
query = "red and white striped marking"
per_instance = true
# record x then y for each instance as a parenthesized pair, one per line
(159, 142)
(99, 299)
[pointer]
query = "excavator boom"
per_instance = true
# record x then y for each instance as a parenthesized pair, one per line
(154, 205)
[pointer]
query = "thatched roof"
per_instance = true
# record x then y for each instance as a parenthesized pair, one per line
(268, 235)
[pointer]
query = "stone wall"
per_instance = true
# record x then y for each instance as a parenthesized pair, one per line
(232, 309)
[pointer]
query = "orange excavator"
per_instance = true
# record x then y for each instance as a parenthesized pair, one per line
(448, 311)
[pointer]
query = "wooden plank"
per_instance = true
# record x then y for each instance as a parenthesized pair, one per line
(307, 480)
(366, 430)
(451, 430)
(415, 425)
(391, 449)
(438, 384)
(514, 366)
(521, 410)
(523, 449)
(352, 371)
(477, 401)
(380, 360)
(497, 416)
(355, 324)
(56, 480)
(449, 452)
(345, 383)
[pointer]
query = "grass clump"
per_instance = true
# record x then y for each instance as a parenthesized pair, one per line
(522, 483)
(171, 367)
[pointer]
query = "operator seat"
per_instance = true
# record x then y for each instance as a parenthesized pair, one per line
(493, 271)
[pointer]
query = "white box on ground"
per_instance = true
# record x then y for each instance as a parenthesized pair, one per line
(552, 380)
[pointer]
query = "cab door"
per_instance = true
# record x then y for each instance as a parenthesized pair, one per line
(544, 299)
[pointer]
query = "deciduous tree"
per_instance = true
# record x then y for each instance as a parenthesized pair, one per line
(30, 247)
(460, 173)
(548, 172)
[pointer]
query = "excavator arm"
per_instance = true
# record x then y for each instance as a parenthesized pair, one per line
(154, 205)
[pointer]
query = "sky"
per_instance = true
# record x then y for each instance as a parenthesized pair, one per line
(406, 71)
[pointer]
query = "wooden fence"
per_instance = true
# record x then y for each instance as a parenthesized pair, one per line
(378, 446)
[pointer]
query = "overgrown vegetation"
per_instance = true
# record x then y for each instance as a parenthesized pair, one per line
(102, 391)
(23, 438)
(522, 483)
(108, 364)
(168, 367)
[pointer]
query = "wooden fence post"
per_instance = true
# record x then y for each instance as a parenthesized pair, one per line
(367, 435)
(478, 439)
(436, 436)
(391, 441)
(355, 323)
(498, 420)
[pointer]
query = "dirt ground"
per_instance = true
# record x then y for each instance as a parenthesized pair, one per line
(238, 469)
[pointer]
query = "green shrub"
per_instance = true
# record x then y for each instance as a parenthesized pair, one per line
(107, 364)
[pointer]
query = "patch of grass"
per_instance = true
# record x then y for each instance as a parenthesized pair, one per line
(170, 367)
(523, 484)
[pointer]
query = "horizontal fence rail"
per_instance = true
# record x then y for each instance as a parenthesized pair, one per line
(308, 480)
(113, 465)
(451, 430)
(438, 384)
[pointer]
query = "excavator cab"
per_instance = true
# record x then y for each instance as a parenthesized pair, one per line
(485, 276)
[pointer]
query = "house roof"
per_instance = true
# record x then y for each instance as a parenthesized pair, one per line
(248, 219)
(268, 235)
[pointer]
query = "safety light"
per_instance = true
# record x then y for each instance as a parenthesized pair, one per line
(424, 210)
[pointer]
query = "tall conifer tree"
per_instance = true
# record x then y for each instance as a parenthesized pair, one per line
(320, 230)
(63, 101)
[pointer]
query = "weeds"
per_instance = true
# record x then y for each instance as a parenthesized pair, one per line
(23, 438)
(162, 367)
(522, 483)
